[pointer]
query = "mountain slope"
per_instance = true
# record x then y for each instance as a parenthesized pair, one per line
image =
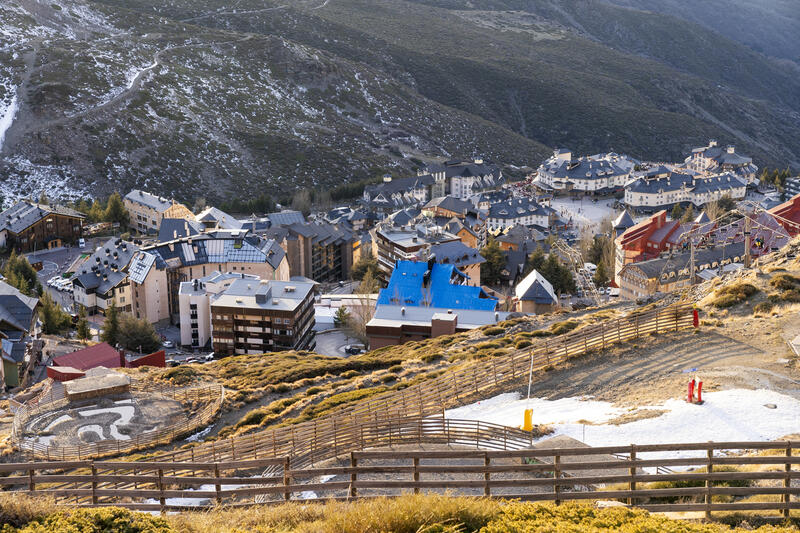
(209, 98)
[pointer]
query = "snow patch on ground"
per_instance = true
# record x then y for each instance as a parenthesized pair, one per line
(92, 428)
(7, 113)
(57, 421)
(28, 179)
(199, 435)
(125, 413)
(732, 415)
(584, 212)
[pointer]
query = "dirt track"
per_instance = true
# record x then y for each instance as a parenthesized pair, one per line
(656, 369)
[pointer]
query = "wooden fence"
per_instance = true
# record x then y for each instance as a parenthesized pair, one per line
(212, 395)
(362, 425)
(703, 477)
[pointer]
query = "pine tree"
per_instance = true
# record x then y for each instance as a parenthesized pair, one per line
(492, 268)
(111, 326)
(688, 215)
(677, 212)
(369, 284)
(54, 319)
(341, 317)
(115, 210)
(601, 274)
(84, 333)
(366, 262)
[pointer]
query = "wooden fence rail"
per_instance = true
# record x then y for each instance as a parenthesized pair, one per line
(360, 426)
(704, 477)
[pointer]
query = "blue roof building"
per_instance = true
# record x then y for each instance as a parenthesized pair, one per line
(429, 284)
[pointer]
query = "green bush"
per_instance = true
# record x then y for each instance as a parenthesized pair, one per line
(313, 390)
(541, 333)
(733, 295)
(559, 328)
(109, 519)
(763, 307)
(785, 282)
(349, 374)
(396, 368)
(522, 344)
(180, 375)
(489, 332)
(388, 378)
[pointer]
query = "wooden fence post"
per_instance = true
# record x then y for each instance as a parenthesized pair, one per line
(353, 476)
(287, 495)
(94, 484)
(556, 474)
(161, 500)
(416, 475)
(709, 484)
(217, 486)
(787, 480)
(632, 472)
(487, 490)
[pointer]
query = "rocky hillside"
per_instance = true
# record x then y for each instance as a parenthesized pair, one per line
(210, 98)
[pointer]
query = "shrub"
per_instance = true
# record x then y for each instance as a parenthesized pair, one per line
(522, 344)
(253, 418)
(541, 333)
(785, 282)
(180, 375)
(313, 390)
(281, 388)
(489, 332)
(107, 519)
(491, 345)
(559, 328)
(396, 368)
(763, 307)
(733, 295)
(349, 374)
(388, 378)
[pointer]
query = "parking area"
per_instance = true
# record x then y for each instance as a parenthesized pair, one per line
(334, 343)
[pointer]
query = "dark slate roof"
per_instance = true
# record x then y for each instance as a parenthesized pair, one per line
(14, 350)
(104, 270)
(324, 233)
(584, 168)
(24, 214)
(220, 246)
(16, 309)
(702, 218)
(517, 207)
(515, 264)
(285, 218)
(176, 228)
(536, 288)
(722, 156)
(211, 216)
(675, 181)
(624, 221)
(456, 253)
(654, 268)
(150, 200)
(451, 204)
(520, 235)
(398, 186)
(403, 216)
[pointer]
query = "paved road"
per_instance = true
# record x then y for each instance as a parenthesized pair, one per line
(332, 343)
(56, 262)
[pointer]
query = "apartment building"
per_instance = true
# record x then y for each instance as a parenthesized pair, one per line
(252, 317)
(146, 211)
(103, 278)
(158, 270)
(195, 299)
(661, 188)
(713, 159)
(28, 226)
(596, 174)
(411, 242)
(519, 211)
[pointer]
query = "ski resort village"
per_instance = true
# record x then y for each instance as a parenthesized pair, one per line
(590, 328)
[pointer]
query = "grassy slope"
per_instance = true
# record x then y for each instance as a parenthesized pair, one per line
(408, 514)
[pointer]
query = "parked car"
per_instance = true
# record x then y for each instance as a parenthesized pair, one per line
(191, 360)
(208, 357)
(168, 344)
(81, 243)
(171, 362)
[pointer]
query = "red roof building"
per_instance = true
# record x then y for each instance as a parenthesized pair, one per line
(788, 215)
(102, 354)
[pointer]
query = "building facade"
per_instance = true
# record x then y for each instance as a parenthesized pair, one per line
(257, 317)
(146, 211)
(28, 226)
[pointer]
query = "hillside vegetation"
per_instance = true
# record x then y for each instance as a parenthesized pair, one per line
(408, 514)
(207, 98)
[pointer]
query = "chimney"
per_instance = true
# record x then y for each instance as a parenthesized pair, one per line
(387, 178)
(731, 149)
(403, 311)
